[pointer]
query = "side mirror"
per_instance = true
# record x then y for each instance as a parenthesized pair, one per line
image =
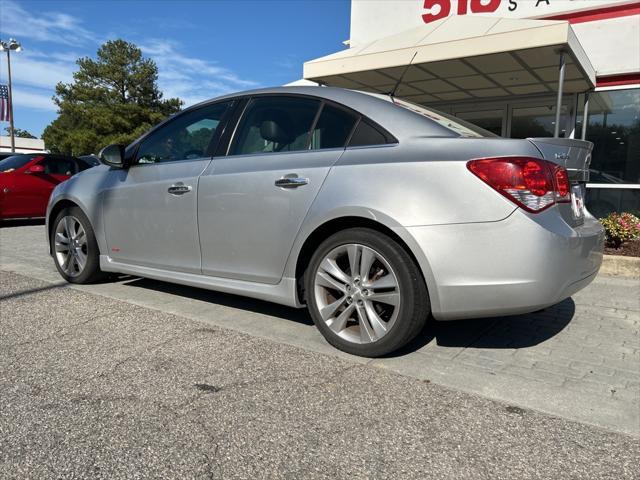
(113, 156)
(35, 169)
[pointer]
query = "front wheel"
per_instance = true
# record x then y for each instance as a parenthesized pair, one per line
(74, 247)
(365, 293)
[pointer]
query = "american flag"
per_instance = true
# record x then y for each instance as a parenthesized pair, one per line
(4, 103)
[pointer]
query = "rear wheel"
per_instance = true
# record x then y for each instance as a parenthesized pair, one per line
(74, 247)
(365, 293)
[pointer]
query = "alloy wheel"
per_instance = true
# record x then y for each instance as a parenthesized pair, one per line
(70, 245)
(357, 293)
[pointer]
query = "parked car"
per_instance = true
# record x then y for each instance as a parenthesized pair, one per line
(371, 211)
(27, 180)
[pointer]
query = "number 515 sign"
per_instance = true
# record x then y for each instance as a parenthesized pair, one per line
(437, 9)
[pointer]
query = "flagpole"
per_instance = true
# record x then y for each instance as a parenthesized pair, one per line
(11, 132)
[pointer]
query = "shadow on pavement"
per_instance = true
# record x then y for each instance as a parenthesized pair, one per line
(226, 299)
(21, 223)
(31, 291)
(515, 331)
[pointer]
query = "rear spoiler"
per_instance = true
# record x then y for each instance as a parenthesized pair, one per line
(572, 154)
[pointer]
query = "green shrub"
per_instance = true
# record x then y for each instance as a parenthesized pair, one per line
(620, 228)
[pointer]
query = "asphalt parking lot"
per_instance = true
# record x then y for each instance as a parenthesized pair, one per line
(141, 378)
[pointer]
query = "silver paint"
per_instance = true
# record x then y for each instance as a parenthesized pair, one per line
(236, 231)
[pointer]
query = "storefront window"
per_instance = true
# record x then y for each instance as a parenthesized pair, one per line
(488, 119)
(614, 128)
(602, 201)
(537, 121)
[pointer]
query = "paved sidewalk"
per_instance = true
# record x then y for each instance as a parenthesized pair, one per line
(579, 359)
(92, 387)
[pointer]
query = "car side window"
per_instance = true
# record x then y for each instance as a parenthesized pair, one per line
(275, 124)
(367, 134)
(59, 166)
(185, 137)
(333, 128)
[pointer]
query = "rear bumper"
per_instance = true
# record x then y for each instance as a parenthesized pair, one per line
(517, 265)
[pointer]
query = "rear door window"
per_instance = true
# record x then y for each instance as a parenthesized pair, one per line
(333, 128)
(275, 124)
(57, 165)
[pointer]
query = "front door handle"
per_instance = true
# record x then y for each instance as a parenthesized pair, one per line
(291, 182)
(179, 189)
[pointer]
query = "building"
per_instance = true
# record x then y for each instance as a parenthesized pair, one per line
(23, 145)
(519, 68)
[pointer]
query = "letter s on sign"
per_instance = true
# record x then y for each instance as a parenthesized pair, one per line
(445, 9)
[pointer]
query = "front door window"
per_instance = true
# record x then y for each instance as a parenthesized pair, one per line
(184, 138)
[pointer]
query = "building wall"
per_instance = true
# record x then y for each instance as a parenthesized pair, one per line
(23, 145)
(602, 34)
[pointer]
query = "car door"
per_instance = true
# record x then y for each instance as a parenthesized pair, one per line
(36, 187)
(252, 201)
(150, 209)
(20, 187)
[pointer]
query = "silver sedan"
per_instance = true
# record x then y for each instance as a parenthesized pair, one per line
(372, 212)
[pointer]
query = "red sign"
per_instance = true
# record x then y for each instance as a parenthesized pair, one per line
(442, 8)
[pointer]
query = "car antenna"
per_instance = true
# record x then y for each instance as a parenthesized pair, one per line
(393, 92)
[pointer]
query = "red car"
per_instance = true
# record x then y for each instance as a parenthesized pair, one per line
(27, 180)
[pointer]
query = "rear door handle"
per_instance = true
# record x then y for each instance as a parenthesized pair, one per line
(179, 189)
(291, 182)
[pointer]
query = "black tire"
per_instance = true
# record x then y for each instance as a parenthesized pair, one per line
(91, 272)
(414, 306)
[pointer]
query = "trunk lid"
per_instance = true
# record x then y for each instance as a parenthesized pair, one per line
(575, 156)
(572, 154)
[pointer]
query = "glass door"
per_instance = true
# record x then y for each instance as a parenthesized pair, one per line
(538, 120)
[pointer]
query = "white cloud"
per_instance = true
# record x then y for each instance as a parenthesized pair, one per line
(190, 78)
(35, 73)
(53, 27)
(40, 70)
(33, 99)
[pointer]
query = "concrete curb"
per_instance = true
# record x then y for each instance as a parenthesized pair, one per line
(620, 266)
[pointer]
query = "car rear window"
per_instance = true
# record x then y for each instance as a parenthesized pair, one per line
(10, 164)
(460, 127)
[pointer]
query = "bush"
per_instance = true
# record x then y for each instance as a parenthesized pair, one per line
(620, 228)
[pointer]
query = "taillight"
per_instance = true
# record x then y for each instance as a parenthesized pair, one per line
(531, 183)
(563, 187)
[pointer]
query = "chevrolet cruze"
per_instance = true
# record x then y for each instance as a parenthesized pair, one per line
(372, 212)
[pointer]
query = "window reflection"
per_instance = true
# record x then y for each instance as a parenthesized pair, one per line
(614, 128)
(538, 121)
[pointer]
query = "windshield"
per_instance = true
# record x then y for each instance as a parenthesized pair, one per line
(459, 126)
(10, 164)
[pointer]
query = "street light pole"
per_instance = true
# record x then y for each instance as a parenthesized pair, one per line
(11, 45)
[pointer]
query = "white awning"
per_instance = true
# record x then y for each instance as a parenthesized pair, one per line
(462, 58)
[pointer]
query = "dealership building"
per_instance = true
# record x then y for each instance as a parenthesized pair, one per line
(519, 68)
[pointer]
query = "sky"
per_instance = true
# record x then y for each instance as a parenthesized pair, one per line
(203, 48)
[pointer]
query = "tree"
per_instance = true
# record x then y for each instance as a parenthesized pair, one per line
(18, 132)
(113, 99)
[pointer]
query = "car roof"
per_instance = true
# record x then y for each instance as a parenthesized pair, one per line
(400, 122)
